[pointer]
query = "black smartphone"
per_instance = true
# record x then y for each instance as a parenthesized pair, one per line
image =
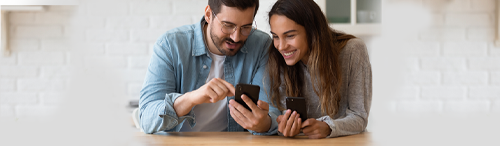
(251, 91)
(297, 104)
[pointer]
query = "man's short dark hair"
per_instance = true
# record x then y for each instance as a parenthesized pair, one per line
(240, 4)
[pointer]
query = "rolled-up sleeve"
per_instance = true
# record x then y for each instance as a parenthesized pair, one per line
(159, 93)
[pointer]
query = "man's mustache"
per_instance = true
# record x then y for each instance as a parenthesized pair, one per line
(231, 40)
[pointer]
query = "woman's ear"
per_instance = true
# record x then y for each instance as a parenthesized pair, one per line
(208, 13)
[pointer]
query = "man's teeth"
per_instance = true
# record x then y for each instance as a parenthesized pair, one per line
(289, 53)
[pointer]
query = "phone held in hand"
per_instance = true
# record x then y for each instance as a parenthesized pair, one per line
(297, 104)
(251, 91)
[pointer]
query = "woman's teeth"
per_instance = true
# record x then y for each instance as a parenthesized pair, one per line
(289, 53)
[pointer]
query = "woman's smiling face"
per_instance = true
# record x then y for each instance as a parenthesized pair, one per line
(290, 39)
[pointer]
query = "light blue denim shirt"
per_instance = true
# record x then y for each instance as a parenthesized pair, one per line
(180, 64)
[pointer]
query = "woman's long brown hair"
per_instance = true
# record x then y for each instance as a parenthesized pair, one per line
(323, 64)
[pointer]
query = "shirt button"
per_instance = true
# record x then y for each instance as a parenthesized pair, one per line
(204, 66)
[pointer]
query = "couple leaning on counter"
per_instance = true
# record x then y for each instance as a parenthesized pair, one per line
(189, 85)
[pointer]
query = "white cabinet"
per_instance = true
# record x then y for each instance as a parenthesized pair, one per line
(357, 17)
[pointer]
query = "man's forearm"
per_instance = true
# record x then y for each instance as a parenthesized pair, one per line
(182, 105)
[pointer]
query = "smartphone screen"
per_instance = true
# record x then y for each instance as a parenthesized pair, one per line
(297, 104)
(251, 91)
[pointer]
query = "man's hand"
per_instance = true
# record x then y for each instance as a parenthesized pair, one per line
(257, 120)
(289, 127)
(315, 129)
(213, 91)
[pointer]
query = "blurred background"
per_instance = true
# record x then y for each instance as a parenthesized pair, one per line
(80, 67)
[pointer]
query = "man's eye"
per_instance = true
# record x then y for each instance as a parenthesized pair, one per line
(229, 25)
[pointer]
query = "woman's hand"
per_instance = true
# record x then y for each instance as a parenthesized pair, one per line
(289, 126)
(315, 129)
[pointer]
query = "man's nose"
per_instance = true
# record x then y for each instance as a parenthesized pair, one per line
(236, 35)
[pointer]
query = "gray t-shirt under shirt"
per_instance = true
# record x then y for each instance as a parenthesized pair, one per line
(211, 116)
(356, 92)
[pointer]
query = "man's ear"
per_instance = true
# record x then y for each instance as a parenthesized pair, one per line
(208, 13)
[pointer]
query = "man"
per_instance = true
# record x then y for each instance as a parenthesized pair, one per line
(190, 81)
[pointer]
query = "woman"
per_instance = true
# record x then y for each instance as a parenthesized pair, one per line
(330, 69)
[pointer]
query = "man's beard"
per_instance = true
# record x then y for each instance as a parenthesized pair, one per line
(218, 42)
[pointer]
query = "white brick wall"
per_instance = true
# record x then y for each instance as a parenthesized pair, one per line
(443, 34)
(484, 63)
(127, 49)
(496, 106)
(459, 49)
(54, 45)
(414, 106)
(41, 58)
(468, 19)
(458, 64)
(465, 78)
(13, 98)
(423, 77)
(127, 22)
(444, 92)
(18, 71)
(449, 66)
(483, 5)
(154, 7)
(467, 106)
(444, 63)
(495, 78)
(170, 21)
(146, 35)
(7, 111)
(37, 32)
(480, 34)
(485, 92)
(107, 35)
(7, 85)
(8, 60)
(38, 85)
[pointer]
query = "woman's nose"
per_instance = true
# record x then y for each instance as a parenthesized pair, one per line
(282, 45)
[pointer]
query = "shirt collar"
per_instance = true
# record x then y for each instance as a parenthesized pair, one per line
(199, 43)
(200, 48)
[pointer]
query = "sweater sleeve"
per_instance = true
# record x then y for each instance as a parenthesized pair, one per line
(358, 75)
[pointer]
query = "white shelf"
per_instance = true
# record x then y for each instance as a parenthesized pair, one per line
(4, 48)
(23, 8)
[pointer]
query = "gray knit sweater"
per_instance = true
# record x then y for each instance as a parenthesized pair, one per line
(356, 92)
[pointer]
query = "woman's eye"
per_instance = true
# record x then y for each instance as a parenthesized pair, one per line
(275, 37)
(290, 36)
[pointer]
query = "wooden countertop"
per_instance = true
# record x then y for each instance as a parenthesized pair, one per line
(245, 138)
